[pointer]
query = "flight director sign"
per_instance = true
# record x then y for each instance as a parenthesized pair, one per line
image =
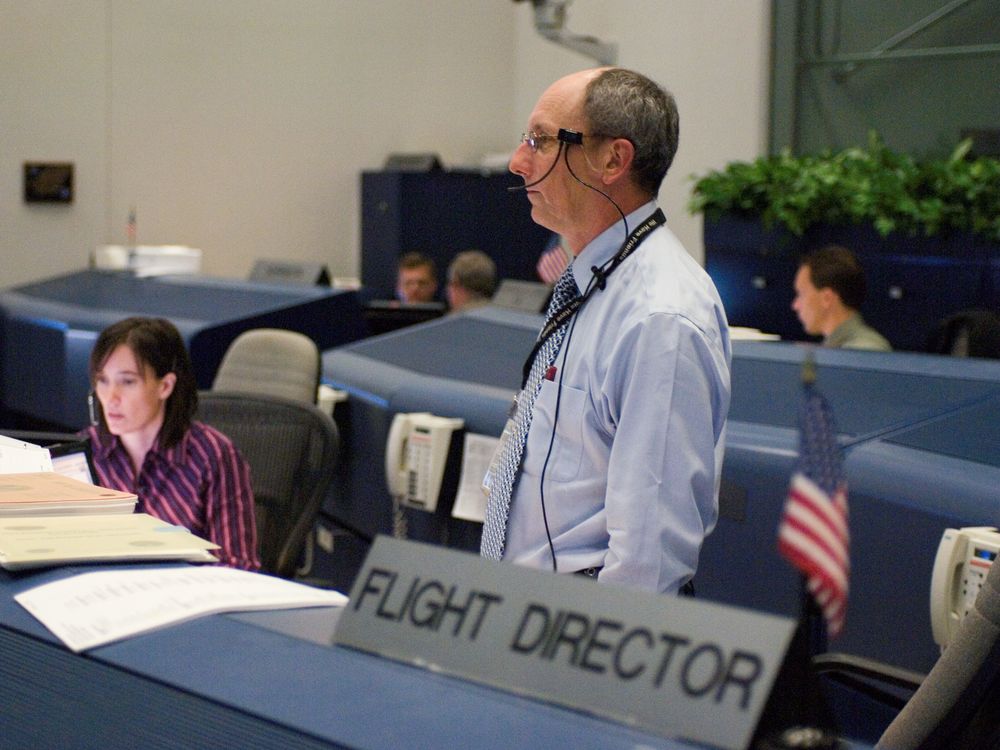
(675, 666)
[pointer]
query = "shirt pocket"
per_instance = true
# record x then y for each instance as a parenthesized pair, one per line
(567, 448)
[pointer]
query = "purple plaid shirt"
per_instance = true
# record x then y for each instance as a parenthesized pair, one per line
(202, 484)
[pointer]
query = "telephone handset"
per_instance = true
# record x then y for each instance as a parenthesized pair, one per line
(415, 456)
(964, 557)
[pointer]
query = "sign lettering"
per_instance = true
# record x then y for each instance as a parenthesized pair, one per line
(675, 666)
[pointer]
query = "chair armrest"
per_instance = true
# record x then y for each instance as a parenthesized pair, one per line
(889, 685)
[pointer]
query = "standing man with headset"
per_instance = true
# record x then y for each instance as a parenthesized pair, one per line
(610, 463)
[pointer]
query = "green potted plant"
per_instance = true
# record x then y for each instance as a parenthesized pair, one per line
(919, 226)
(892, 192)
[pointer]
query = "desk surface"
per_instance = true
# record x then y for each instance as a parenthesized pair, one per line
(486, 346)
(200, 298)
(258, 680)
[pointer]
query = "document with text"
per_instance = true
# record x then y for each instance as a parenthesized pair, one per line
(470, 502)
(92, 609)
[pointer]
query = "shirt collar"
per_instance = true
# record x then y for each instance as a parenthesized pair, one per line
(106, 445)
(603, 247)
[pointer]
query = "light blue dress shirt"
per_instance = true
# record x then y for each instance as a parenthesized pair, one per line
(632, 478)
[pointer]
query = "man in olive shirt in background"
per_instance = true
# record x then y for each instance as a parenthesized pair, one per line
(829, 290)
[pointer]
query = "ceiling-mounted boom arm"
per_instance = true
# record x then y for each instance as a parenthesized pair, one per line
(550, 19)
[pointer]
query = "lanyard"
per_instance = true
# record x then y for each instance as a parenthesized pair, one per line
(561, 316)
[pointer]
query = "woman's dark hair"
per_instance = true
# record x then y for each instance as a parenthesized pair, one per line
(155, 342)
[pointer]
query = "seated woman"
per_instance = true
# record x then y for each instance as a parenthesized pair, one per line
(146, 441)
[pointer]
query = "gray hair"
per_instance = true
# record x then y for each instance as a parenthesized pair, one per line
(474, 270)
(625, 104)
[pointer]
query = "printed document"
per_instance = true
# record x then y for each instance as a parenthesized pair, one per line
(92, 609)
(470, 501)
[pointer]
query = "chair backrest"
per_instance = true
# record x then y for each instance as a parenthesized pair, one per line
(957, 704)
(271, 361)
(291, 448)
(968, 333)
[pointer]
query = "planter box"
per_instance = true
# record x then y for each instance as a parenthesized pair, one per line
(913, 282)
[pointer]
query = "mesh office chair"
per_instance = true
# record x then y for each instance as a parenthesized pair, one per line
(271, 361)
(292, 451)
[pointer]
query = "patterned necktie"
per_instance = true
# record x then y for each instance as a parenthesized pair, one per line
(498, 506)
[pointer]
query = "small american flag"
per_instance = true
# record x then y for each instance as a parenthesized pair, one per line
(552, 262)
(130, 227)
(813, 533)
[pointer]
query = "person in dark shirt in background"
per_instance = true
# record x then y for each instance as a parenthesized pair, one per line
(145, 439)
(416, 279)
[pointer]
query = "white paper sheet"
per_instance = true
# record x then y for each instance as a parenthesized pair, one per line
(470, 502)
(92, 609)
(19, 457)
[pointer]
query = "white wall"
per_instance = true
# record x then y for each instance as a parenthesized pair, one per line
(53, 107)
(712, 55)
(242, 126)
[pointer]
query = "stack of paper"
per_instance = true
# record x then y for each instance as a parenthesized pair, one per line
(45, 493)
(57, 540)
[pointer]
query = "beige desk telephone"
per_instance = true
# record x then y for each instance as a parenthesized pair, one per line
(964, 557)
(415, 456)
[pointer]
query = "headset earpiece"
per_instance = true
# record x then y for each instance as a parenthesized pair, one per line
(570, 136)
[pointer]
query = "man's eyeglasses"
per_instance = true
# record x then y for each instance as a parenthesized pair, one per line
(538, 141)
(541, 141)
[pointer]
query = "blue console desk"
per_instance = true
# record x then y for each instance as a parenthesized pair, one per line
(258, 680)
(921, 434)
(922, 455)
(48, 328)
(466, 365)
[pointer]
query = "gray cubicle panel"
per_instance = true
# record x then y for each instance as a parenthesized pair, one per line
(915, 429)
(908, 486)
(466, 365)
(48, 328)
(870, 392)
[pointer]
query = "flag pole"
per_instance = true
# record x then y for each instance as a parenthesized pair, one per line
(809, 368)
(811, 619)
(797, 714)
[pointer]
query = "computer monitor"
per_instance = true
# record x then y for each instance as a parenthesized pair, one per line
(74, 459)
(383, 316)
